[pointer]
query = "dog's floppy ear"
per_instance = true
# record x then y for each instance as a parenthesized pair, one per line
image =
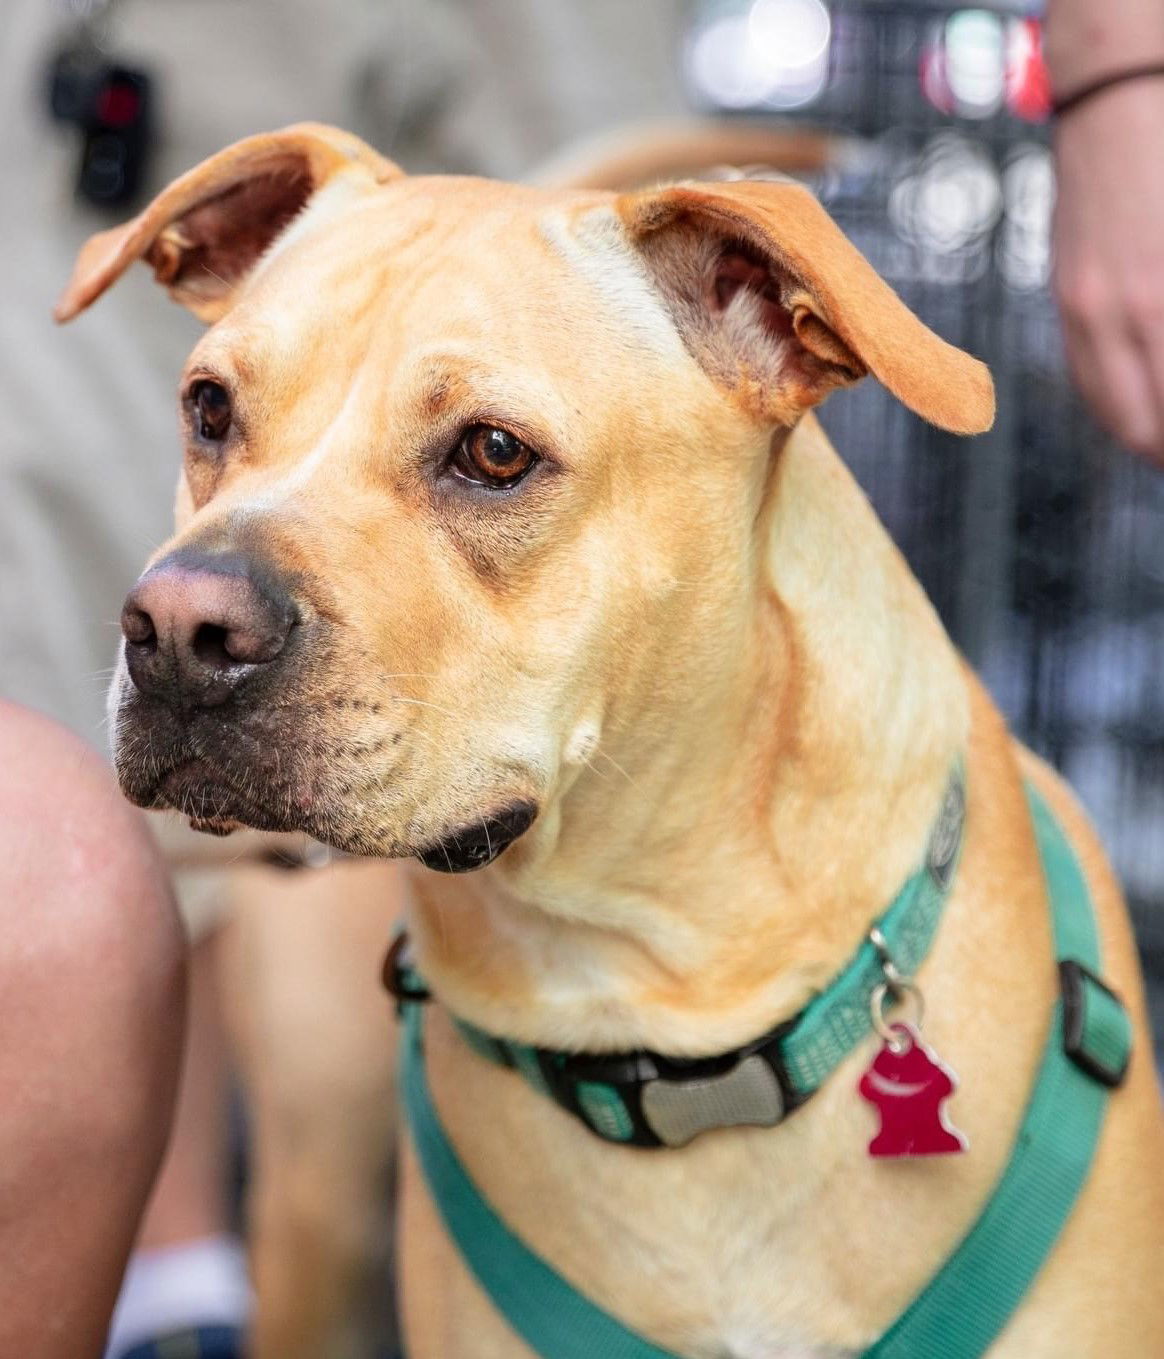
(772, 299)
(204, 233)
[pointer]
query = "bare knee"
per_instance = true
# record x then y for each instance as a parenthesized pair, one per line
(91, 952)
(91, 1007)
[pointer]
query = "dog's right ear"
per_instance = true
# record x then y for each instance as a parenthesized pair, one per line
(206, 231)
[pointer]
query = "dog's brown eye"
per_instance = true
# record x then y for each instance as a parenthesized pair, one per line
(492, 457)
(210, 402)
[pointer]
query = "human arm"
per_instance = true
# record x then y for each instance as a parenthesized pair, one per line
(1109, 217)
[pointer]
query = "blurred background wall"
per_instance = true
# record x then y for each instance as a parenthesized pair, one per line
(1041, 544)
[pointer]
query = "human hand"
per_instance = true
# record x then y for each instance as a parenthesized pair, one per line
(1109, 257)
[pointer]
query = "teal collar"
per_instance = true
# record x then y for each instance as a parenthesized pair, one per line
(646, 1099)
(967, 1303)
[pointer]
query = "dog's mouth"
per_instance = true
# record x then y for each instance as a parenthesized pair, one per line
(232, 771)
(247, 772)
(215, 804)
(480, 841)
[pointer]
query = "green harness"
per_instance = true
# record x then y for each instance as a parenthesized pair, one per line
(967, 1303)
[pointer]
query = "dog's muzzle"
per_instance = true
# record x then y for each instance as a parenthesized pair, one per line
(214, 649)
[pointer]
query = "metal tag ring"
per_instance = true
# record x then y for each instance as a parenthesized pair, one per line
(883, 992)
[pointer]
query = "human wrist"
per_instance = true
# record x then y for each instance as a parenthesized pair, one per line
(1065, 102)
(1132, 112)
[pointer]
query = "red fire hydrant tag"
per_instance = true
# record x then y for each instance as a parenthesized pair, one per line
(909, 1085)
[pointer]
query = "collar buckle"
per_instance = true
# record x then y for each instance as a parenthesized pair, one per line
(644, 1099)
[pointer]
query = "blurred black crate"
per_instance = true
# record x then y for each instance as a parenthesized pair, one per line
(1040, 543)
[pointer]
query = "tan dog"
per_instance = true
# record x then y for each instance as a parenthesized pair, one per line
(503, 528)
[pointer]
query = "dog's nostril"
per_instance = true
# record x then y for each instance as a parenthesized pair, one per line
(197, 629)
(138, 628)
(211, 645)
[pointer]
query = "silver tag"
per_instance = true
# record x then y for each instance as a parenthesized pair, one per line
(749, 1094)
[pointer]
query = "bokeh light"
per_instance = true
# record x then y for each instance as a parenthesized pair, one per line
(768, 54)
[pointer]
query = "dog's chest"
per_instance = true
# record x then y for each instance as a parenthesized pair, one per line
(747, 1259)
(731, 1248)
(756, 1346)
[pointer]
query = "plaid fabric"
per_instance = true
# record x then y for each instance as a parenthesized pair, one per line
(199, 1342)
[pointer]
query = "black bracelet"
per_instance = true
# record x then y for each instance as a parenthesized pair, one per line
(1069, 101)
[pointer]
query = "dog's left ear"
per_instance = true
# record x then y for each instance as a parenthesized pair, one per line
(206, 231)
(775, 302)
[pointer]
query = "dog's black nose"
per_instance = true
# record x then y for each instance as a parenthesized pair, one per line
(197, 626)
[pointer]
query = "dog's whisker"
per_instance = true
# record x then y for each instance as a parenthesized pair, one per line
(595, 770)
(611, 760)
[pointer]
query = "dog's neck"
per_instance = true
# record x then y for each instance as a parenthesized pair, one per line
(719, 857)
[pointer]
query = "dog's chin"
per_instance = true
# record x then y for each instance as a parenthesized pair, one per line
(217, 802)
(212, 800)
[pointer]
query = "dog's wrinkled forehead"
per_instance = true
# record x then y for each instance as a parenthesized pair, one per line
(467, 262)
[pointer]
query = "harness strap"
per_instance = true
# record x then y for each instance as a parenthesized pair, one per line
(549, 1314)
(966, 1305)
(986, 1278)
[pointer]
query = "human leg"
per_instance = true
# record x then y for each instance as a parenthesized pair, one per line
(91, 1009)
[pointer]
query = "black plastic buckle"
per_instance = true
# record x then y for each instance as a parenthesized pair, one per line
(631, 1072)
(625, 1072)
(400, 979)
(1074, 981)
